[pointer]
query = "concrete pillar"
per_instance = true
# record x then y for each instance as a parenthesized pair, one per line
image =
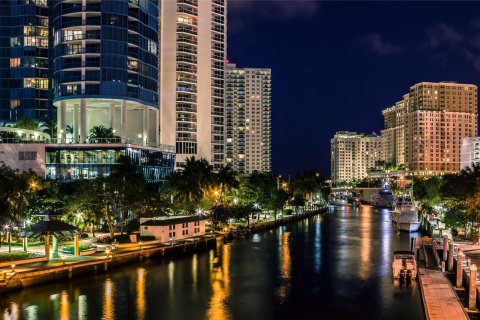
(459, 281)
(450, 256)
(112, 116)
(63, 121)
(145, 125)
(75, 124)
(77, 245)
(55, 254)
(124, 134)
(47, 247)
(83, 121)
(445, 248)
(472, 292)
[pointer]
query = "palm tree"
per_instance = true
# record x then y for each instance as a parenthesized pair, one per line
(49, 126)
(226, 180)
(99, 133)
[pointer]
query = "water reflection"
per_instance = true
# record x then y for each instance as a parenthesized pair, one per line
(365, 243)
(64, 306)
(82, 307)
(220, 281)
(108, 302)
(12, 312)
(141, 304)
(285, 268)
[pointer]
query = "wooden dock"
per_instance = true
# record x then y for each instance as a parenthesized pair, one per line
(439, 298)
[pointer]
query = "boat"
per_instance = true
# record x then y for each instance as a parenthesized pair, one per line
(402, 203)
(404, 265)
(383, 198)
(409, 221)
(340, 201)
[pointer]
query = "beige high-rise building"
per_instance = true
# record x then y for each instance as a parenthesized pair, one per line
(352, 154)
(248, 119)
(424, 130)
(192, 54)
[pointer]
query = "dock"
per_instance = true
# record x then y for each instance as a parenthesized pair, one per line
(439, 298)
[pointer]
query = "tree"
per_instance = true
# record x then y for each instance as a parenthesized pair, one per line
(227, 181)
(26, 123)
(49, 127)
(101, 133)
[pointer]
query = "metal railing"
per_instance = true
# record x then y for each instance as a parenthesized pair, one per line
(60, 141)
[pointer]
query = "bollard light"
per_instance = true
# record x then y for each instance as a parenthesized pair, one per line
(140, 243)
(63, 260)
(107, 251)
(13, 267)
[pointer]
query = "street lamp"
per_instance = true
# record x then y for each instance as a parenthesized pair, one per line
(140, 243)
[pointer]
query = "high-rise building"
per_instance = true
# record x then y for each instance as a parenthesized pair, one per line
(193, 37)
(424, 130)
(352, 154)
(25, 83)
(248, 119)
(106, 68)
(103, 61)
(469, 152)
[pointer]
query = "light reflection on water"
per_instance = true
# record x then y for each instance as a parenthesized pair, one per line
(336, 265)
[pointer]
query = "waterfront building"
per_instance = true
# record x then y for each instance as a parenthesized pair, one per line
(352, 154)
(193, 36)
(172, 228)
(106, 68)
(469, 152)
(68, 162)
(248, 119)
(25, 77)
(103, 58)
(424, 130)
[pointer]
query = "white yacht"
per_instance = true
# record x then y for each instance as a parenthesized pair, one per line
(383, 198)
(402, 204)
(409, 221)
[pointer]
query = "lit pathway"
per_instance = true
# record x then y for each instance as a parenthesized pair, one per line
(441, 302)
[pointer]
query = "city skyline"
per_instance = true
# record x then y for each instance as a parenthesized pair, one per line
(339, 89)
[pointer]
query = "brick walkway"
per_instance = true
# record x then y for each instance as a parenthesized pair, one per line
(441, 302)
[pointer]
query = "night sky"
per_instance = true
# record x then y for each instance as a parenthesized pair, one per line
(336, 65)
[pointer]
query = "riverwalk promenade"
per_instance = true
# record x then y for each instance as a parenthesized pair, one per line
(439, 298)
(14, 277)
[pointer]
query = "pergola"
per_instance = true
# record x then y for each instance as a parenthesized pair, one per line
(55, 228)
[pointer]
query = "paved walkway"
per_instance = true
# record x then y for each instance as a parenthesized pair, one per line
(441, 302)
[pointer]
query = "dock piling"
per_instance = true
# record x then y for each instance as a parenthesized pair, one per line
(459, 268)
(445, 247)
(450, 256)
(472, 292)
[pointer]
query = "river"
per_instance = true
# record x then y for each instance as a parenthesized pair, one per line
(331, 266)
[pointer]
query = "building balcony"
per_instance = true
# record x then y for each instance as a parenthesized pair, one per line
(187, 10)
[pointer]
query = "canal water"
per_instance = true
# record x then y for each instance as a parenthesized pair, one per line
(331, 266)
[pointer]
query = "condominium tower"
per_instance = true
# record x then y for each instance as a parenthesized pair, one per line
(248, 119)
(352, 154)
(424, 130)
(193, 45)
(25, 38)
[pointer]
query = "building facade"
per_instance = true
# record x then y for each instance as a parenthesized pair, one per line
(193, 37)
(248, 119)
(25, 74)
(167, 229)
(469, 152)
(424, 130)
(352, 154)
(105, 57)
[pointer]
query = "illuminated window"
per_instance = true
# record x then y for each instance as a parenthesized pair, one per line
(14, 62)
(29, 82)
(41, 83)
(70, 35)
(15, 42)
(42, 32)
(29, 41)
(43, 43)
(14, 103)
(152, 47)
(28, 31)
(133, 64)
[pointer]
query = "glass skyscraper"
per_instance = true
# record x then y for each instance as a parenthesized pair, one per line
(106, 68)
(25, 38)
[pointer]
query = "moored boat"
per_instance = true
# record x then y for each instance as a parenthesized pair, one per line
(382, 198)
(408, 221)
(404, 265)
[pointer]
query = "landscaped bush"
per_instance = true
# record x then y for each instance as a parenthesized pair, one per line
(17, 255)
(71, 249)
(147, 238)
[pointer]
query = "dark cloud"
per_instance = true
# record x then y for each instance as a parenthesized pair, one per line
(241, 11)
(376, 44)
(443, 34)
